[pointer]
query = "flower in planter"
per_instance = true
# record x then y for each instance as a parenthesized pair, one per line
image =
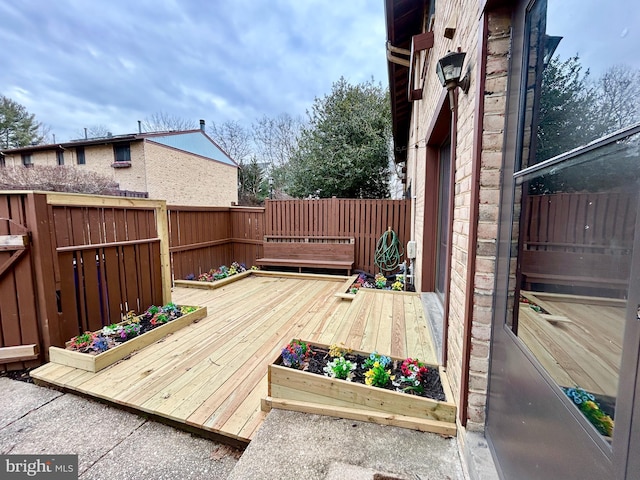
(205, 277)
(413, 373)
(110, 331)
(380, 359)
(586, 403)
(99, 344)
(185, 309)
(414, 369)
(159, 319)
(397, 286)
(336, 350)
(377, 376)
(129, 330)
(296, 354)
(380, 280)
(340, 368)
(81, 341)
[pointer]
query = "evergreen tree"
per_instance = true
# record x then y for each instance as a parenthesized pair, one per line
(344, 150)
(18, 128)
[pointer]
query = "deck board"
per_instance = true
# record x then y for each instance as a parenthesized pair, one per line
(213, 373)
(586, 350)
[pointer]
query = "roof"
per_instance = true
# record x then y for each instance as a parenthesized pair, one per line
(196, 142)
(403, 19)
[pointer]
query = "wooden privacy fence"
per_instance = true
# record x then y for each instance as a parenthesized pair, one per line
(364, 220)
(579, 240)
(88, 260)
(202, 238)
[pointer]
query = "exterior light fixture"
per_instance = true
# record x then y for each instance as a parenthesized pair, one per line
(449, 70)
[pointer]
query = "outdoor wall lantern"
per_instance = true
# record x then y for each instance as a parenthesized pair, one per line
(449, 70)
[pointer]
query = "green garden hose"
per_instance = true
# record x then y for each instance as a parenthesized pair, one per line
(388, 251)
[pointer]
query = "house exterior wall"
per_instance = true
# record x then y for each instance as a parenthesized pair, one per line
(166, 173)
(100, 159)
(466, 14)
(185, 179)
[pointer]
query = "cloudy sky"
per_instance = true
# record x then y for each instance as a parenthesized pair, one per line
(79, 63)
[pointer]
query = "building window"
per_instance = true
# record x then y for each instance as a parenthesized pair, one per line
(27, 160)
(575, 208)
(60, 157)
(122, 152)
(80, 160)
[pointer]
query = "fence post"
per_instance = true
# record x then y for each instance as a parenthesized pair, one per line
(162, 227)
(42, 256)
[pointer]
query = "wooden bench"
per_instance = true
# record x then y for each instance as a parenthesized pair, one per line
(573, 269)
(308, 252)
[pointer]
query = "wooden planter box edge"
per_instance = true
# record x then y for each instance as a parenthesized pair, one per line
(95, 363)
(298, 390)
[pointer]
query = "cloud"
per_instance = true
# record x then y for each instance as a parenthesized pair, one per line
(75, 63)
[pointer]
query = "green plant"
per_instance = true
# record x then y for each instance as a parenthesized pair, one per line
(413, 373)
(81, 341)
(380, 280)
(377, 376)
(373, 358)
(340, 368)
(398, 286)
(586, 403)
(159, 319)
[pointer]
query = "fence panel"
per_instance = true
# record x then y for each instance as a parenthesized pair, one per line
(363, 219)
(248, 231)
(199, 239)
(107, 263)
(18, 309)
(579, 242)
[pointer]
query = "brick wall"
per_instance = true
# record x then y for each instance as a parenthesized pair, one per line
(181, 178)
(497, 64)
(466, 37)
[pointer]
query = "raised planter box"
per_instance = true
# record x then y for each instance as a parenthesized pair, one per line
(292, 389)
(95, 363)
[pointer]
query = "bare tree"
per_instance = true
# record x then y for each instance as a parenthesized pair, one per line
(233, 138)
(277, 138)
(55, 179)
(94, 131)
(618, 93)
(164, 122)
(45, 134)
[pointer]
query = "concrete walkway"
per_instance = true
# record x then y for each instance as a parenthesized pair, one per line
(110, 443)
(113, 444)
(314, 447)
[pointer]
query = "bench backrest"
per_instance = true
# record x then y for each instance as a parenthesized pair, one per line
(306, 239)
(310, 251)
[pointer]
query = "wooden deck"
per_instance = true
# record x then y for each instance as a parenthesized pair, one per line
(211, 375)
(580, 343)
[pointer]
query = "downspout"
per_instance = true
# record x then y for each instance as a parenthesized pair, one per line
(474, 209)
